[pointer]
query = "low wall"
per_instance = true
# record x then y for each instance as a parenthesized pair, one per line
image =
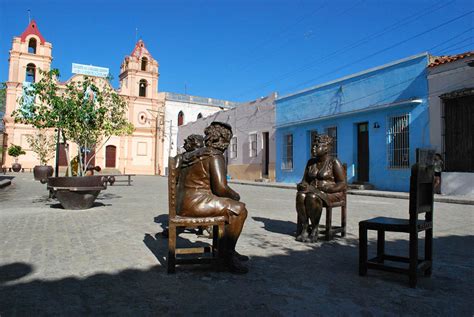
(457, 183)
(250, 172)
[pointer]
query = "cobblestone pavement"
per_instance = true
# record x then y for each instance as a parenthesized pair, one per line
(111, 260)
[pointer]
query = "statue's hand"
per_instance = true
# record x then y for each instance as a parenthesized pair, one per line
(326, 188)
(301, 187)
(237, 197)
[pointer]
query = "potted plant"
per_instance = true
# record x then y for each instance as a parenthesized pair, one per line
(87, 112)
(43, 145)
(15, 151)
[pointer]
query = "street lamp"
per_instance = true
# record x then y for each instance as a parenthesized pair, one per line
(156, 138)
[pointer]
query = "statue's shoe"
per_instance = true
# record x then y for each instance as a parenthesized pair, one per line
(234, 265)
(241, 257)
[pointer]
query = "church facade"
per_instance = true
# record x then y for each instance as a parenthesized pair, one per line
(146, 150)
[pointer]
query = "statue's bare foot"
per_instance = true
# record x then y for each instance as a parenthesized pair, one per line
(313, 237)
(303, 236)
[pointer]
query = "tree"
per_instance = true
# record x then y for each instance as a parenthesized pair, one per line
(43, 145)
(15, 151)
(3, 97)
(87, 112)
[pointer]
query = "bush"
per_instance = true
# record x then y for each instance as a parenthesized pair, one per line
(15, 150)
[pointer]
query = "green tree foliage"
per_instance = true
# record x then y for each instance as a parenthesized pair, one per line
(15, 150)
(3, 97)
(87, 112)
(43, 145)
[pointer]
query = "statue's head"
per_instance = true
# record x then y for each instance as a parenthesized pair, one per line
(218, 135)
(193, 142)
(322, 143)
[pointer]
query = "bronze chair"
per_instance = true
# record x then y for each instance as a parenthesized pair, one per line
(421, 201)
(175, 222)
(329, 229)
(329, 234)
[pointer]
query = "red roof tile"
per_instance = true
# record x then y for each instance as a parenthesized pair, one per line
(32, 28)
(439, 60)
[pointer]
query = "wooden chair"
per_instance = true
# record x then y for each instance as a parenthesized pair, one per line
(421, 201)
(175, 222)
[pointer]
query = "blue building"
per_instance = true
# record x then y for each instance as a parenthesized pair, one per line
(377, 117)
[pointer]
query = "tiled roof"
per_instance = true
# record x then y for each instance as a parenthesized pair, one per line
(439, 60)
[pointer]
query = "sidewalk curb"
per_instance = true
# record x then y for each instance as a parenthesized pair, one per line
(395, 195)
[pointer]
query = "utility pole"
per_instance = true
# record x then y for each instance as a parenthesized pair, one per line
(171, 138)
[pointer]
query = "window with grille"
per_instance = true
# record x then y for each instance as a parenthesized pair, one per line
(253, 145)
(398, 146)
(287, 154)
(233, 148)
(332, 132)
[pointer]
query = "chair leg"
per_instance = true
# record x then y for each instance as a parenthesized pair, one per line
(362, 250)
(221, 243)
(328, 223)
(343, 220)
(413, 258)
(171, 249)
(429, 250)
(215, 240)
(380, 245)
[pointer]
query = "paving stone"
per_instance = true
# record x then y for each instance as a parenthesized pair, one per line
(111, 259)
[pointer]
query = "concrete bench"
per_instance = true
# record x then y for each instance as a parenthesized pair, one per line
(111, 178)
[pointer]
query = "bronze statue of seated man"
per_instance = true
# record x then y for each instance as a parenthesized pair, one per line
(203, 190)
(323, 182)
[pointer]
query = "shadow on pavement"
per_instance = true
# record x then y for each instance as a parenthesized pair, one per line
(278, 226)
(59, 206)
(321, 280)
(14, 271)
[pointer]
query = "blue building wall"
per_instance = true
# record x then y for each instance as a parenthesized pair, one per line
(371, 96)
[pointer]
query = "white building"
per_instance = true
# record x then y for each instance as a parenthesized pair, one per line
(182, 109)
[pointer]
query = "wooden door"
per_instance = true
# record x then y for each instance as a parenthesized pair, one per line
(110, 153)
(265, 156)
(363, 152)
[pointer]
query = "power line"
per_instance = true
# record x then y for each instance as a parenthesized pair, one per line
(285, 43)
(285, 29)
(449, 40)
(392, 27)
(457, 44)
(387, 48)
(458, 48)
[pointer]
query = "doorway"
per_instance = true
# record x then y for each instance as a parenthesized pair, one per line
(363, 152)
(110, 155)
(266, 154)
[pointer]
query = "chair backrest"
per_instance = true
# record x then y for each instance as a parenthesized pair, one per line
(173, 173)
(421, 190)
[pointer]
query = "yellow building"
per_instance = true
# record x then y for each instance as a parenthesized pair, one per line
(143, 152)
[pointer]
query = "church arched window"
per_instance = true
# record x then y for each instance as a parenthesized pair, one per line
(30, 73)
(142, 88)
(180, 118)
(32, 46)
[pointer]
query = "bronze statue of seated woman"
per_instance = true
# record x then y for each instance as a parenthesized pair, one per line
(323, 182)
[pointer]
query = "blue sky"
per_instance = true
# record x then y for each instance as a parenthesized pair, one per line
(240, 50)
